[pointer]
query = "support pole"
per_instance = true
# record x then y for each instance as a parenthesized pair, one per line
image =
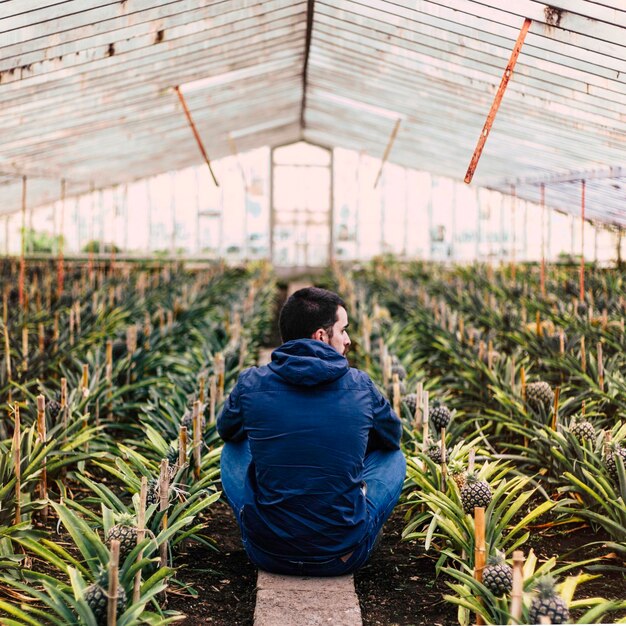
(542, 278)
(582, 241)
(513, 238)
(23, 246)
(496, 101)
(390, 143)
(60, 265)
(195, 133)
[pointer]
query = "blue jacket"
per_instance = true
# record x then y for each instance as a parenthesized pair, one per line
(310, 419)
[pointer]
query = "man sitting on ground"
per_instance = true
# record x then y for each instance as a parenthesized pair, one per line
(312, 465)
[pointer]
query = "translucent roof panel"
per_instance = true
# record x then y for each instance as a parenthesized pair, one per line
(86, 89)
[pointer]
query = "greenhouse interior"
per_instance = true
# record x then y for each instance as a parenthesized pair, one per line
(352, 268)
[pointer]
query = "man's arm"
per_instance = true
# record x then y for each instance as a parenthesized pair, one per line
(230, 420)
(387, 427)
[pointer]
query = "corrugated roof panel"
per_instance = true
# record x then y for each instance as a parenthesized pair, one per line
(85, 88)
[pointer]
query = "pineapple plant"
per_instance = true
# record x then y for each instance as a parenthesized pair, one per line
(54, 408)
(125, 532)
(152, 493)
(610, 460)
(582, 429)
(457, 473)
(498, 575)
(434, 452)
(439, 416)
(398, 368)
(410, 399)
(97, 597)
(539, 396)
(509, 317)
(582, 308)
(548, 603)
(475, 493)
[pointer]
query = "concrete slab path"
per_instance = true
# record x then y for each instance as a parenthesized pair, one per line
(305, 601)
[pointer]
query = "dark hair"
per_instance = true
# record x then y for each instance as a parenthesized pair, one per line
(306, 310)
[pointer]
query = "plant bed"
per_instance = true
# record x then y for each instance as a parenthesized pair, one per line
(398, 585)
(215, 586)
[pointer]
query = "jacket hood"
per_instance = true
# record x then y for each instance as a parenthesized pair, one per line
(308, 362)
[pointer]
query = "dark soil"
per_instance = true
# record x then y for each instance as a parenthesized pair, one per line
(396, 588)
(398, 585)
(217, 586)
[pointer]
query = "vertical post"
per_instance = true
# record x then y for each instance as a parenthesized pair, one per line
(582, 241)
(100, 225)
(405, 238)
(141, 533)
(23, 246)
(149, 216)
(182, 446)
(383, 189)
(113, 583)
(357, 208)
(173, 212)
(479, 549)
(513, 234)
(17, 462)
(555, 414)
(518, 587)
(212, 398)
(331, 211)
(60, 266)
(197, 180)
(272, 207)
(41, 435)
(542, 278)
(164, 491)
(197, 436)
(583, 355)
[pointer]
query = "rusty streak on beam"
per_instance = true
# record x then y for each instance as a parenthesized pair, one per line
(496, 101)
(195, 133)
(392, 138)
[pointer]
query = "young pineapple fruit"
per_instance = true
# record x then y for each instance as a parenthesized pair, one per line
(187, 419)
(434, 452)
(549, 603)
(152, 492)
(398, 368)
(125, 531)
(410, 399)
(539, 395)
(582, 429)
(440, 416)
(54, 408)
(475, 493)
(457, 473)
(97, 597)
(610, 460)
(498, 575)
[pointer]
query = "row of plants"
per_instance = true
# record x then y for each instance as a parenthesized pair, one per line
(542, 420)
(111, 437)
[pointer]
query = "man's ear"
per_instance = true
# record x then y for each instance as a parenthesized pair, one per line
(318, 334)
